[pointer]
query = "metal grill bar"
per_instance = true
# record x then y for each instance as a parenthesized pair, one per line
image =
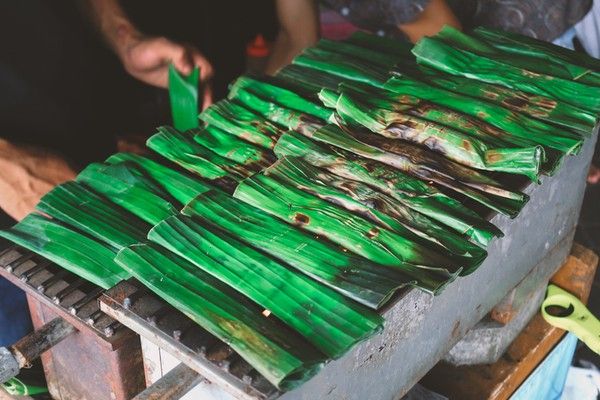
(168, 328)
(59, 289)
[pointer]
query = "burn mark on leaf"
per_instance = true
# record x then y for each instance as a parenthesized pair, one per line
(373, 232)
(302, 219)
(516, 102)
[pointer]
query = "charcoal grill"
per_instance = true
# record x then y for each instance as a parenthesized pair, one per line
(419, 329)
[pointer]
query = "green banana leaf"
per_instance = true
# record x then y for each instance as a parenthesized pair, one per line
(306, 81)
(425, 165)
(183, 92)
(353, 50)
(429, 110)
(126, 186)
(349, 274)
(364, 50)
(559, 113)
(411, 192)
(283, 116)
(279, 354)
(439, 54)
(353, 232)
(329, 97)
(232, 148)
(353, 69)
(518, 129)
(241, 122)
(436, 128)
(376, 207)
(393, 47)
(519, 59)
(73, 204)
(278, 95)
(331, 322)
(76, 252)
(182, 149)
(570, 64)
(180, 186)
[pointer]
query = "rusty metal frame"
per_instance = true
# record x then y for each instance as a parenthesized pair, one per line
(137, 310)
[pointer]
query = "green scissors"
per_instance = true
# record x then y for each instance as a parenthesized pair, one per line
(565, 311)
(15, 387)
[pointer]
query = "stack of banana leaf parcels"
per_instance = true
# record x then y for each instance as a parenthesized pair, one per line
(365, 166)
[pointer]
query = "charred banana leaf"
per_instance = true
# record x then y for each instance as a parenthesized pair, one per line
(543, 108)
(182, 149)
(376, 207)
(573, 65)
(286, 117)
(411, 192)
(427, 166)
(243, 123)
(331, 322)
(126, 186)
(72, 250)
(437, 128)
(518, 59)
(437, 53)
(79, 207)
(361, 280)
(353, 232)
(278, 353)
(180, 186)
(519, 129)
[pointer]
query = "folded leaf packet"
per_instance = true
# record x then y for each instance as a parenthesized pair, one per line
(278, 353)
(74, 251)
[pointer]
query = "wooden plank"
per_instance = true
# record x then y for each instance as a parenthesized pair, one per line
(499, 381)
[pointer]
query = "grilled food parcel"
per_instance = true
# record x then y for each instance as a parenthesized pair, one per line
(365, 167)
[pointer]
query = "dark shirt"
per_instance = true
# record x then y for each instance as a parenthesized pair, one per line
(543, 19)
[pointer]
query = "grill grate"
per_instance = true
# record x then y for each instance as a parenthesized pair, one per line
(151, 317)
(75, 299)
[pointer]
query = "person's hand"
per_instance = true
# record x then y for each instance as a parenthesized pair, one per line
(27, 175)
(148, 59)
(593, 177)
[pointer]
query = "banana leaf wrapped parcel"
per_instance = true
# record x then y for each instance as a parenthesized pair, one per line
(459, 54)
(277, 352)
(355, 277)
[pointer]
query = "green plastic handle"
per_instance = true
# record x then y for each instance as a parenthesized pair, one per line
(16, 387)
(580, 321)
(183, 92)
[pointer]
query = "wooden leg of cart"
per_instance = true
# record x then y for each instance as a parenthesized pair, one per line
(500, 380)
